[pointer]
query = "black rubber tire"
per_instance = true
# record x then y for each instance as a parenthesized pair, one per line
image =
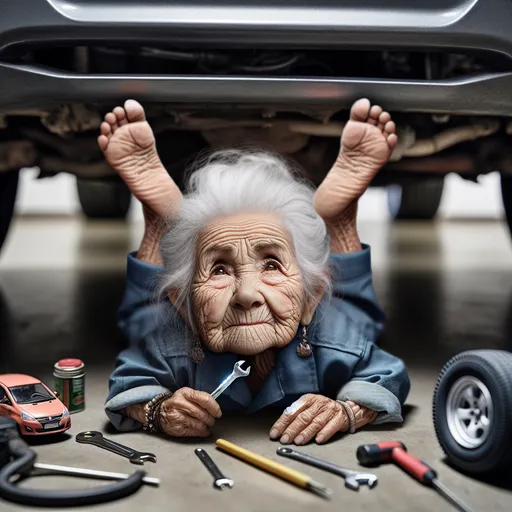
(506, 196)
(8, 191)
(103, 199)
(415, 200)
(494, 369)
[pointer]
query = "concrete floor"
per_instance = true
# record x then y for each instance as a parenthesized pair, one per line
(445, 287)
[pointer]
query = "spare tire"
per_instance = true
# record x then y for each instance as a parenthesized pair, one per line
(472, 409)
(102, 199)
(415, 200)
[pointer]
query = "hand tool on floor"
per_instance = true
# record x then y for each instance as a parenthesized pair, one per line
(374, 454)
(237, 372)
(97, 439)
(18, 462)
(270, 466)
(220, 481)
(52, 469)
(353, 479)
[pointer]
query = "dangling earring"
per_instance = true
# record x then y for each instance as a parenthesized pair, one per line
(196, 353)
(304, 348)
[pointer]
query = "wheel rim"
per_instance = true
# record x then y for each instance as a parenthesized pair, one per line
(469, 411)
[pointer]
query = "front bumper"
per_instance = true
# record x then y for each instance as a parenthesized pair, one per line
(439, 24)
(34, 428)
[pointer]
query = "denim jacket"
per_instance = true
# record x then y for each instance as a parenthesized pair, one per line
(346, 363)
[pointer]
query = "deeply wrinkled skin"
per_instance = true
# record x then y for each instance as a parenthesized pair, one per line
(247, 291)
(249, 299)
(189, 413)
(316, 416)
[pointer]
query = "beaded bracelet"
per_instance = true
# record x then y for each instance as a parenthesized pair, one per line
(351, 416)
(151, 409)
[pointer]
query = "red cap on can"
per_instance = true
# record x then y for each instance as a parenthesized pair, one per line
(70, 363)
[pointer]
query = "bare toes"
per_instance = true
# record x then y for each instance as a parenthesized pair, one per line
(392, 140)
(103, 142)
(111, 119)
(105, 129)
(134, 111)
(360, 110)
(384, 118)
(120, 115)
(390, 127)
(375, 112)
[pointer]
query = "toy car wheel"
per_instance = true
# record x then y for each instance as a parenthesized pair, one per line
(472, 410)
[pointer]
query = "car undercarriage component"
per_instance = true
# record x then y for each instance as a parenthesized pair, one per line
(417, 199)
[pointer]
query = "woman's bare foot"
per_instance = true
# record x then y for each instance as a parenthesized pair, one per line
(128, 144)
(366, 145)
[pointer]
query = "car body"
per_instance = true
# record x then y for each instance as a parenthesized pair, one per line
(32, 405)
(280, 75)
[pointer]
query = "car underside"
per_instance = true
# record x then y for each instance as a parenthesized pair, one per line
(279, 76)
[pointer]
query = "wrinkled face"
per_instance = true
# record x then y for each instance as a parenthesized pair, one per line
(247, 289)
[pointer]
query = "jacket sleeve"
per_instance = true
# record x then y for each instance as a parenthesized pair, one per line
(140, 374)
(140, 312)
(379, 382)
(352, 282)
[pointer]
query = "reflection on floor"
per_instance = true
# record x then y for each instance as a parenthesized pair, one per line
(446, 287)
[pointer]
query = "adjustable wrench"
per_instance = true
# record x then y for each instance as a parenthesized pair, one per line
(353, 479)
(237, 372)
(97, 439)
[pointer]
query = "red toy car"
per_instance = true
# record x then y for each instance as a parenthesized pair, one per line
(32, 405)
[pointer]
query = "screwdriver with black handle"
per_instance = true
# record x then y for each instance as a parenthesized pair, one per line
(394, 451)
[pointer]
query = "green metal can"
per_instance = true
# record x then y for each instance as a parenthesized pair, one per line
(70, 383)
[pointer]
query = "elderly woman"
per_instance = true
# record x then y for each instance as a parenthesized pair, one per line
(251, 263)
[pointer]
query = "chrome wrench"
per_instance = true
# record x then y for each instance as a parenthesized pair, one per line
(220, 482)
(353, 479)
(237, 372)
(97, 439)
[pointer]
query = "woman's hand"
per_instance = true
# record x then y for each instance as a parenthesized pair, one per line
(189, 413)
(316, 416)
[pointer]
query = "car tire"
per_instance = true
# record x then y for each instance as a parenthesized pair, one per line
(103, 199)
(472, 410)
(416, 200)
(8, 190)
(506, 196)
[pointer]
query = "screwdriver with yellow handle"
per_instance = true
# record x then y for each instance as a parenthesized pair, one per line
(270, 466)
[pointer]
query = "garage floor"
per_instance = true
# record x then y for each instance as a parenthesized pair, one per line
(445, 287)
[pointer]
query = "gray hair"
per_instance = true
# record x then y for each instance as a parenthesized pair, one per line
(234, 181)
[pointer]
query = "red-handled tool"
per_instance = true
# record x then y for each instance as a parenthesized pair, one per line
(375, 454)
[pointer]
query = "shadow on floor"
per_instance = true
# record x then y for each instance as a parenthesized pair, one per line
(499, 479)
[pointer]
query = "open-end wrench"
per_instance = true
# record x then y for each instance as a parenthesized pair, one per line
(237, 372)
(353, 479)
(220, 481)
(97, 439)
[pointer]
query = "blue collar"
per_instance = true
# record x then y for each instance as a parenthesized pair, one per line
(292, 377)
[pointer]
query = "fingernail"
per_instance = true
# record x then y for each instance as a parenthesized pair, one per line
(285, 439)
(274, 433)
(299, 440)
(320, 438)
